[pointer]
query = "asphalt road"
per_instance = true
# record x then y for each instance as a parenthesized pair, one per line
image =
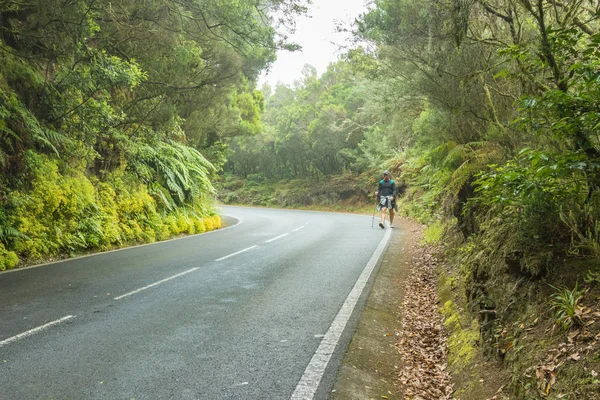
(253, 311)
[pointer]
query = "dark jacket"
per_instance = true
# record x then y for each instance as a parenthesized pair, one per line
(387, 188)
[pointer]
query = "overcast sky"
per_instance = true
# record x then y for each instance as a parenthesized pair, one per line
(318, 39)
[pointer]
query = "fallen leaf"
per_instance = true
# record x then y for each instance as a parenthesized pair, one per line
(552, 379)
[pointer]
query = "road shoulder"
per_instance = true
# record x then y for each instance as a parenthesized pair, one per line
(371, 363)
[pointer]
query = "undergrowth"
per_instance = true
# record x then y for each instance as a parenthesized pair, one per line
(63, 212)
(340, 193)
(518, 286)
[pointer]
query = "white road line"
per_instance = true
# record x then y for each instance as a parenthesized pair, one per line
(309, 382)
(236, 253)
(297, 229)
(155, 283)
(275, 238)
(35, 330)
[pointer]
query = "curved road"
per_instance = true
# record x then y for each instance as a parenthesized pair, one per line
(258, 310)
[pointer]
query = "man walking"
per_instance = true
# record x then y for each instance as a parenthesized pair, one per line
(387, 198)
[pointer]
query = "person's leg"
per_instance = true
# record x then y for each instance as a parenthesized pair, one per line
(383, 216)
(391, 216)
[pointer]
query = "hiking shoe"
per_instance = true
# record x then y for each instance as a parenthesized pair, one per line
(381, 226)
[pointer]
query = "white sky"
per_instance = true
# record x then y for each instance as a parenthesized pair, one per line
(318, 39)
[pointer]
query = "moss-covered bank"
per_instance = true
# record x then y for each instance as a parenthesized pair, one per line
(60, 211)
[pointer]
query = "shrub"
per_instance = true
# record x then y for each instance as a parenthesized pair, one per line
(8, 259)
(566, 304)
(58, 213)
(433, 233)
(62, 211)
(199, 225)
(212, 223)
(520, 206)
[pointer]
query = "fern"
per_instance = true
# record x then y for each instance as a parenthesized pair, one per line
(47, 138)
(162, 195)
(18, 115)
(8, 233)
(467, 161)
(181, 170)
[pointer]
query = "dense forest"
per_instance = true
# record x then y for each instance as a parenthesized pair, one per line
(119, 119)
(114, 116)
(488, 113)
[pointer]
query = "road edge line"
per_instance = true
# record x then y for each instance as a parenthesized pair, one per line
(311, 378)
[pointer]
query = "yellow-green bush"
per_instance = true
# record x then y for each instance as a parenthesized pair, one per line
(199, 225)
(171, 224)
(105, 198)
(163, 233)
(136, 208)
(183, 223)
(57, 213)
(8, 259)
(61, 210)
(211, 223)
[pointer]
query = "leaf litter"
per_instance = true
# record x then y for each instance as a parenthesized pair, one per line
(422, 340)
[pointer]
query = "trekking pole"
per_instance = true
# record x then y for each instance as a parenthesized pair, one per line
(373, 218)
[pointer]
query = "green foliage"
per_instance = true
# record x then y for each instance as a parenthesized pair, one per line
(19, 126)
(8, 259)
(592, 277)
(371, 151)
(584, 228)
(463, 339)
(312, 130)
(63, 211)
(48, 213)
(339, 193)
(494, 106)
(109, 115)
(565, 110)
(528, 198)
(565, 303)
(433, 234)
(176, 173)
(535, 180)
(7, 232)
